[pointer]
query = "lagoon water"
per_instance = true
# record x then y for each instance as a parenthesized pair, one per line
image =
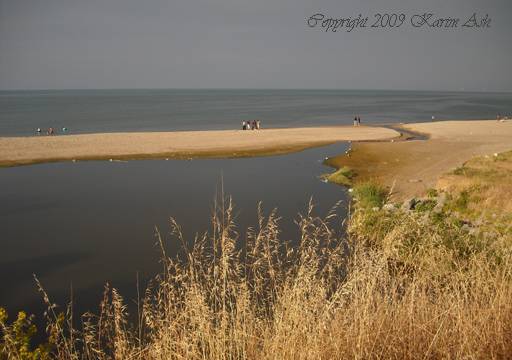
(79, 225)
(21, 112)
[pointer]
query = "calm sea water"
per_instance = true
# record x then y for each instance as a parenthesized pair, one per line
(21, 112)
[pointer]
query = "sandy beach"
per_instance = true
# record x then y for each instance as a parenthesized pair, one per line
(412, 167)
(180, 144)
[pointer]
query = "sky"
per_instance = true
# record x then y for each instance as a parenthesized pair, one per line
(93, 44)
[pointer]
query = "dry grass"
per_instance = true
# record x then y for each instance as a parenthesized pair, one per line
(401, 285)
(482, 189)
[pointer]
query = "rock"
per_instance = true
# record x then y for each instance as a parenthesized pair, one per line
(441, 198)
(409, 204)
(389, 207)
(465, 227)
(489, 235)
(440, 201)
(478, 222)
(437, 209)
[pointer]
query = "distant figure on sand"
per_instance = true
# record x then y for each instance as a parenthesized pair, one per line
(355, 121)
(251, 125)
(50, 131)
(358, 121)
(38, 131)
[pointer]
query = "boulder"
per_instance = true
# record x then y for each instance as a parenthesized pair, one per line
(389, 207)
(440, 202)
(409, 204)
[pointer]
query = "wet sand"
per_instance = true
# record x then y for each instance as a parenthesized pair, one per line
(412, 167)
(180, 144)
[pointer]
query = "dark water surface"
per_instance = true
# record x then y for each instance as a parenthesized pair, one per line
(21, 112)
(82, 224)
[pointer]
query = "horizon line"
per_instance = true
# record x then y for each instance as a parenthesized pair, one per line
(255, 88)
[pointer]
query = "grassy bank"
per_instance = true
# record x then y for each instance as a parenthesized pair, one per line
(482, 189)
(416, 281)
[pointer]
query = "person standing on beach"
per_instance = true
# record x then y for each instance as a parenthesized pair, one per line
(244, 125)
(355, 121)
(358, 121)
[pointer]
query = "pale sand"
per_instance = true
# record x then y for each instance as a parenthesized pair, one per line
(180, 144)
(415, 166)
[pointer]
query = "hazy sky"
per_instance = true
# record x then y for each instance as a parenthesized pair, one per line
(51, 44)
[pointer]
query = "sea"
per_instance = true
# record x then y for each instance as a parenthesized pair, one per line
(90, 111)
(77, 226)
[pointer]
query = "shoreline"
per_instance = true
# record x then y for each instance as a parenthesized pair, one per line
(410, 168)
(15, 151)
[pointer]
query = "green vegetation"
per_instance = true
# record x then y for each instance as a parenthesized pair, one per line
(432, 193)
(370, 194)
(17, 337)
(425, 205)
(459, 171)
(342, 176)
(462, 201)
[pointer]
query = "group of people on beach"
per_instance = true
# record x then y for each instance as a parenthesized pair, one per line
(357, 121)
(251, 125)
(50, 131)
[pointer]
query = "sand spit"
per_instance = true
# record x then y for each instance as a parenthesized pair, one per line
(179, 144)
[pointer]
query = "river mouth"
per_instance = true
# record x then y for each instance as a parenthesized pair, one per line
(79, 225)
